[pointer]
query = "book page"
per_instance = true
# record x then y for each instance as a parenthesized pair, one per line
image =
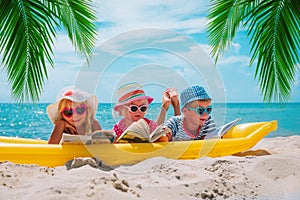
(159, 132)
(97, 137)
(75, 139)
(139, 128)
(137, 132)
(219, 132)
(102, 137)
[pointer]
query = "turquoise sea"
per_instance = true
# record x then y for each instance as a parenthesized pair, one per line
(31, 120)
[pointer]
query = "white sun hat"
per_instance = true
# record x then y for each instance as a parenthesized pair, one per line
(76, 95)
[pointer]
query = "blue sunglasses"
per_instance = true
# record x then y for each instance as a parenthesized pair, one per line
(200, 110)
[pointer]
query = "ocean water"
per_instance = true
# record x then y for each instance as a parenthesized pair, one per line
(31, 120)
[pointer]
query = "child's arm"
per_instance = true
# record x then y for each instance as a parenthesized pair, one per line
(166, 101)
(175, 101)
(172, 126)
(57, 132)
(170, 96)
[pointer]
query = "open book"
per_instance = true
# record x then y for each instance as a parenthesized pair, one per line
(140, 132)
(221, 131)
(97, 137)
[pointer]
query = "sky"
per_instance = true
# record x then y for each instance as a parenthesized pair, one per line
(158, 44)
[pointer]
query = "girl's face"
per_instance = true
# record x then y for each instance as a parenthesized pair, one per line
(74, 113)
(135, 110)
(192, 116)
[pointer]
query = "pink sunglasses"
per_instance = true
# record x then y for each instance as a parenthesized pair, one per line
(68, 112)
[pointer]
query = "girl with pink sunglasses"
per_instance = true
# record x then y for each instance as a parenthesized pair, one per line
(73, 113)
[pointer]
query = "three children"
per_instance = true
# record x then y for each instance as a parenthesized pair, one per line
(74, 113)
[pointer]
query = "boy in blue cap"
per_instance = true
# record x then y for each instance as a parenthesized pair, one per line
(195, 122)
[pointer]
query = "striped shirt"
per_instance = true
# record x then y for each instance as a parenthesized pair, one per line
(175, 123)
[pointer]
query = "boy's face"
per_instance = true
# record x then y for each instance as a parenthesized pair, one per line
(192, 116)
(135, 110)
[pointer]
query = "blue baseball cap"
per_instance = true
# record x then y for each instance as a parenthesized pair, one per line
(193, 93)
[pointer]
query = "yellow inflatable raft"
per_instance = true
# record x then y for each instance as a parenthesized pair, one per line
(30, 151)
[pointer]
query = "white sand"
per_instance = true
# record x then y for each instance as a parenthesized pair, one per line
(275, 176)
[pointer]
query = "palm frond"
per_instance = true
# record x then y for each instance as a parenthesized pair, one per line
(77, 16)
(273, 28)
(224, 18)
(274, 32)
(27, 31)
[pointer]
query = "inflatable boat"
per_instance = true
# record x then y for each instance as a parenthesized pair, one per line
(33, 151)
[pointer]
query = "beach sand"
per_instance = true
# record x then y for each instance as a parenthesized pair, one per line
(270, 170)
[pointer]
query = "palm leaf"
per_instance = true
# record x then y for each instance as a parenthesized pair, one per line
(273, 28)
(224, 19)
(25, 42)
(27, 30)
(77, 17)
(274, 32)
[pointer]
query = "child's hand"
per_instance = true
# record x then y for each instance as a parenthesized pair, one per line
(173, 96)
(163, 139)
(172, 92)
(169, 136)
(170, 95)
(71, 128)
(166, 100)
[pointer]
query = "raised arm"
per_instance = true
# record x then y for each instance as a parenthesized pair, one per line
(170, 96)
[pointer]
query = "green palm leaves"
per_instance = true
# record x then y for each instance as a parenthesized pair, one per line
(27, 33)
(273, 28)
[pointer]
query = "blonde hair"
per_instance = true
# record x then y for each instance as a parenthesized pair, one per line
(89, 113)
